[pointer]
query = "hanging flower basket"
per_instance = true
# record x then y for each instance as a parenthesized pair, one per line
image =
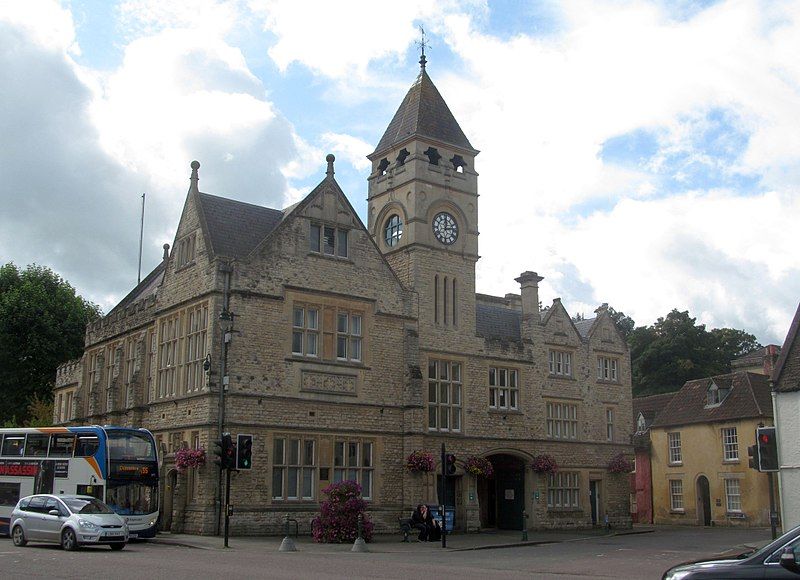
(420, 461)
(620, 464)
(188, 458)
(479, 466)
(544, 464)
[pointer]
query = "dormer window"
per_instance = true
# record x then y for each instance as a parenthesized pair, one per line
(715, 395)
(433, 155)
(641, 424)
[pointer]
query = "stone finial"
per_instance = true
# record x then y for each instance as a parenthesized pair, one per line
(166, 251)
(195, 165)
(330, 158)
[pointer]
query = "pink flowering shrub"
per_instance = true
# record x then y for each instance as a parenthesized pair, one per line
(420, 461)
(479, 466)
(544, 463)
(620, 464)
(186, 458)
(338, 518)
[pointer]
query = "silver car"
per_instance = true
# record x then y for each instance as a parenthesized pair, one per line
(69, 520)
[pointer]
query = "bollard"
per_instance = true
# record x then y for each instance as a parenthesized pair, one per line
(360, 545)
(524, 526)
(287, 545)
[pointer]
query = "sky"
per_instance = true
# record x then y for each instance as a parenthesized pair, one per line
(644, 154)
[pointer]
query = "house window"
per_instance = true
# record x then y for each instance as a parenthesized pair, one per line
(610, 424)
(733, 495)
(130, 360)
(444, 396)
(675, 456)
(293, 469)
(196, 335)
(715, 395)
(68, 397)
(168, 356)
(503, 388)
(563, 490)
(676, 495)
(113, 358)
(352, 461)
(393, 231)
(730, 444)
(305, 331)
(94, 369)
(151, 365)
(606, 368)
(328, 240)
(641, 424)
(348, 336)
(562, 420)
(560, 363)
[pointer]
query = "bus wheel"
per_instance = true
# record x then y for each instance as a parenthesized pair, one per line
(18, 536)
(68, 540)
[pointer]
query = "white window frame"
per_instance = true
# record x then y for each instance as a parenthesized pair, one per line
(560, 363)
(730, 444)
(503, 389)
(306, 330)
(349, 336)
(674, 448)
(562, 420)
(733, 495)
(607, 369)
(609, 424)
(339, 236)
(676, 495)
(196, 347)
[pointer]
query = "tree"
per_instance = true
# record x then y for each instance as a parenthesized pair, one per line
(675, 349)
(625, 324)
(42, 324)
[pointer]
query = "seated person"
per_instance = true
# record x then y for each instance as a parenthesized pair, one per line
(422, 520)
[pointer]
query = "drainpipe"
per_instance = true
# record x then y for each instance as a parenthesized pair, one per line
(223, 319)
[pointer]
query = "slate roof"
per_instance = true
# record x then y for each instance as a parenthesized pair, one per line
(235, 228)
(786, 376)
(424, 113)
(146, 287)
(497, 322)
(650, 407)
(749, 398)
(584, 326)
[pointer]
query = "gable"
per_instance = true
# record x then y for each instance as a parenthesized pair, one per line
(558, 325)
(787, 370)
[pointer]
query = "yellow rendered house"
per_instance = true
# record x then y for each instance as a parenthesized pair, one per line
(700, 469)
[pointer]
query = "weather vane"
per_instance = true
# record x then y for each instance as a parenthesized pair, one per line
(422, 44)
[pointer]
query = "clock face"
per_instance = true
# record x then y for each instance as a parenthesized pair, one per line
(445, 228)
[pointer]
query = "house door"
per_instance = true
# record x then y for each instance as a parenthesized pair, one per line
(509, 491)
(169, 495)
(703, 501)
(594, 500)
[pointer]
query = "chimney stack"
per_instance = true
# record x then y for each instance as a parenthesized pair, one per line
(771, 354)
(529, 289)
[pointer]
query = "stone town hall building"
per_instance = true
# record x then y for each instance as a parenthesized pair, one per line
(355, 345)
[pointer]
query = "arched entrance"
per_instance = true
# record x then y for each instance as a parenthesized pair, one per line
(502, 498)
(703, 501)
(169, 494)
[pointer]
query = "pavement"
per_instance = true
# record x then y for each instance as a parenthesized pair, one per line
(392, 543)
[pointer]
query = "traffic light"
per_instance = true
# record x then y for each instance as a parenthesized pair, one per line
(244, 451)
(767, 449)
(449, 464)
(225, 451)
(752, 454)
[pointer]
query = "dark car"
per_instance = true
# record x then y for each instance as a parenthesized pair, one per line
(778, 559)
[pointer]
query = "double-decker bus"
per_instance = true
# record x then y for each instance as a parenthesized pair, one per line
(118, 465)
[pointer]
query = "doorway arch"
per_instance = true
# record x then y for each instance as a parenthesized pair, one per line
(703, 501)
(502, 498)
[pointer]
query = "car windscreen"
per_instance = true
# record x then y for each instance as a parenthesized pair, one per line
(80, 505)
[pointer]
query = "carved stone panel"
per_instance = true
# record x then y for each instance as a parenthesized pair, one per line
(328, 383)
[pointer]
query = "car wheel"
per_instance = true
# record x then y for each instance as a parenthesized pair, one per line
(116, 547)
(68, 540)
(18, 536)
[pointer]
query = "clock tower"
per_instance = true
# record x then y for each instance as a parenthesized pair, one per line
(423, 210)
